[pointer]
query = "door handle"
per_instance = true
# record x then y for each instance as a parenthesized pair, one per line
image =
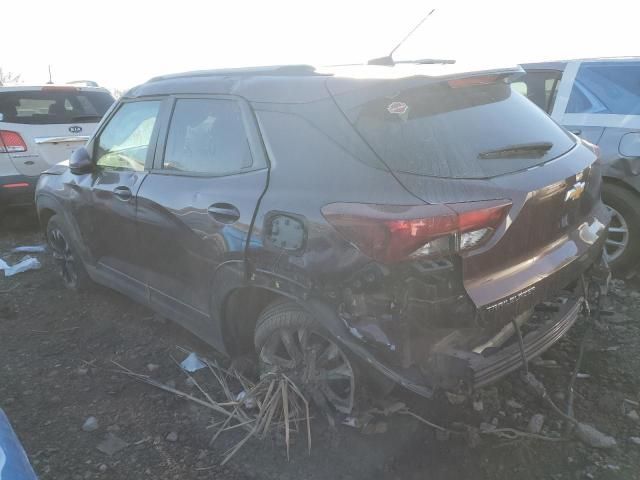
(576, 131)
(224, 212)
(122, 193)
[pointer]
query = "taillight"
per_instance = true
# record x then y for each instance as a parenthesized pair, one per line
(390, 233)
(11, 142)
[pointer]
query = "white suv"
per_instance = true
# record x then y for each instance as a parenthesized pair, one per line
(39, 127)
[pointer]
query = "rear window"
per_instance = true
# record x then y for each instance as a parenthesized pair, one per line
(606, 88)
(54, 106)
(467, 132)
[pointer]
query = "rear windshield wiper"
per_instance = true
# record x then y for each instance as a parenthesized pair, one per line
(533, 150)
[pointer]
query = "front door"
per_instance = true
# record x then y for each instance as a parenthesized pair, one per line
(195, 207)
(121, 152)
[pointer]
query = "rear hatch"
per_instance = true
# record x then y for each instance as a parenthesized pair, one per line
(46, 124)
(471, 138)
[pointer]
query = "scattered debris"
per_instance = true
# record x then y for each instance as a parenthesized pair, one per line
(633, 415)
(152, 367)
(192, 363)
(280, 404)
(111, 444)
(511, 403)
(27, 263)
(172, 437)
(583, 375)
(593, 437)
(455, 398)
(536, 423)
(90, 424)
(635, 440)
(30, 249)
(478, 406)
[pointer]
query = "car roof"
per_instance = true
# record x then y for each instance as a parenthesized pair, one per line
(55, 86)
(561, 64)
(293, 83)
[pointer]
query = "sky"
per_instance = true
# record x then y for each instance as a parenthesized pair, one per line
(121, 43)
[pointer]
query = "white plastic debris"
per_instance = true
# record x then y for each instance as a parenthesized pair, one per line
(192, 363)
(30, 249)
(27, 263)
(247, 400)
(593, 437)
(350, 422)
(536, 423)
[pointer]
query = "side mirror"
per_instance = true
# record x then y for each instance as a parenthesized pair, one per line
(80, 161)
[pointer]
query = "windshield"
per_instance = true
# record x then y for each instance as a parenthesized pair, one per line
(54, 106)
(467, 132)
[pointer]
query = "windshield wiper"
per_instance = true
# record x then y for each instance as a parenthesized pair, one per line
(532, 150)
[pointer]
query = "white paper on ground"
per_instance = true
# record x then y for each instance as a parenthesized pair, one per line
(27, 263)
(30, 249)
(192, 363)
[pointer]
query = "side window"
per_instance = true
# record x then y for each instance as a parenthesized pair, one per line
(124, 142)
(539, 87)
(207, 136)
(606, 87)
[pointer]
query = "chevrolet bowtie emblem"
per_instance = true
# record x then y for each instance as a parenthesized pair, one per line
(575, 192)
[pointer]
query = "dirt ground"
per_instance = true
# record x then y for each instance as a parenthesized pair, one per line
(56, 370)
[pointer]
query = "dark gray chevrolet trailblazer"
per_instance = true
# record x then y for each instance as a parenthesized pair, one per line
(402, 223)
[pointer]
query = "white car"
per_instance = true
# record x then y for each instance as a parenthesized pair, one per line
(39, 127)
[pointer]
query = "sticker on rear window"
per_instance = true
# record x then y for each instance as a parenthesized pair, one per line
(398, 108)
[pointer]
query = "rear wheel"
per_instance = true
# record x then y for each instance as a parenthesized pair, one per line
(289, 340)
(622, 247)
(74, 275)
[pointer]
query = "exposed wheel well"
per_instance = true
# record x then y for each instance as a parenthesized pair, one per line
(240, 313)
(619, 183)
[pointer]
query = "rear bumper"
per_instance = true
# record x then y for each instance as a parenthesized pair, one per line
(17, 191)
(478, 370)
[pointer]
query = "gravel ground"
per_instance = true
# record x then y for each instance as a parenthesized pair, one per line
(56, 371)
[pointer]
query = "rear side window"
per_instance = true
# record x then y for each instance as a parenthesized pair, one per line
(606, 88)
(207, 136)
(54, 106)
(539, 87)
(468, 132)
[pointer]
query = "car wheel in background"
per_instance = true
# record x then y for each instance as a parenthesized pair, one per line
(74, 275)
(622, 247)
(289, 340)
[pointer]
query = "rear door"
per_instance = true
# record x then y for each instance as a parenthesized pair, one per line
(53, 121)
(196, 206)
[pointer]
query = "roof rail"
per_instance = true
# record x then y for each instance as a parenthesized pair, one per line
(86, 83)
(275, 70)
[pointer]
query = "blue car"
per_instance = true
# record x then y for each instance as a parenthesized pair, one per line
(14, 464)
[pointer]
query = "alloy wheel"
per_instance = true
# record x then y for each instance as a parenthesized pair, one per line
(618, 238)
(64, 256)
(313, 362)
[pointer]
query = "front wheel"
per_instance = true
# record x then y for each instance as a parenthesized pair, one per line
(622, 246)
(74, 276)
(289, 340)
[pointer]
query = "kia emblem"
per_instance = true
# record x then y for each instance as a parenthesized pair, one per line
(75, 129)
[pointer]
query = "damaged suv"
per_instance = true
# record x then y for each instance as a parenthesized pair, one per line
(402, 223)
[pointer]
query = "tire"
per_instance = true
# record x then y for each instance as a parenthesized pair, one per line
(624, 229)
(313, 359)
(74, 274)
